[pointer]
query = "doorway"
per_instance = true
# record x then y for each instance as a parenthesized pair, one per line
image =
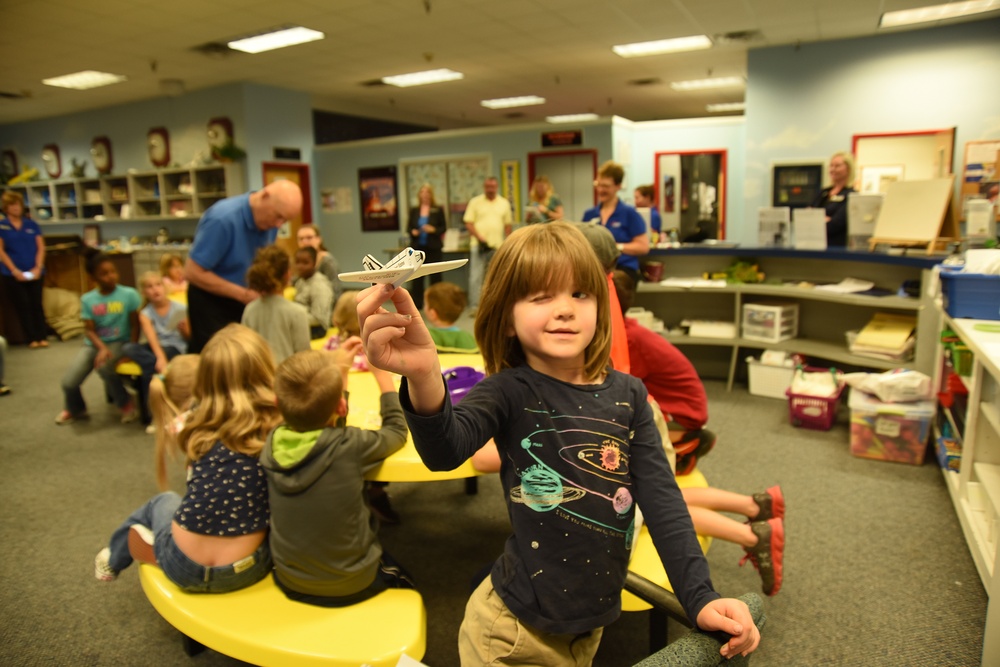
(572, 174)
(297, 173)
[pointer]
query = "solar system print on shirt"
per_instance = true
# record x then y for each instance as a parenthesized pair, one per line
(575, 457)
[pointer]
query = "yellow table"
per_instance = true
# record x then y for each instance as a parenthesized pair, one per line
(405, 465)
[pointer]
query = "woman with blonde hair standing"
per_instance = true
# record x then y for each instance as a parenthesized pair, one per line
(834, 198)
(427, 224)
(545, 205)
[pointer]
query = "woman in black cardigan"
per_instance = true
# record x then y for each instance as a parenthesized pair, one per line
(427, 225)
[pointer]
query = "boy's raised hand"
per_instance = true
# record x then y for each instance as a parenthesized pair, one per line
(732, 617)
(399, 341)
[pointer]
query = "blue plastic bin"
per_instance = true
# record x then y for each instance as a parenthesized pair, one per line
(975, 295)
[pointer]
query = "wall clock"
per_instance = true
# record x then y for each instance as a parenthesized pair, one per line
(8, 165)
(220, 133)
(158, 143)
(52, 160)
(100, 151)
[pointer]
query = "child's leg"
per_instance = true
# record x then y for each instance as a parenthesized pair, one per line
(157, 515)
(708, 522)
(113, 381)
(490, 633)
(720, 501)
(77, 372)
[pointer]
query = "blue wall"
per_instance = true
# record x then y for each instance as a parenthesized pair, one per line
(336, 166)
(807, 102)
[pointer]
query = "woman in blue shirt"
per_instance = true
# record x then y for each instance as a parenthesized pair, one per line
(623, 221)
(426, 225)
(22, 260)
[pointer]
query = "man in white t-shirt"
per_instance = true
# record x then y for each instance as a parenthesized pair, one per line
(488, 219)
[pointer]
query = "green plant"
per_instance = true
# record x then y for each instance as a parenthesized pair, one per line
(229, 151)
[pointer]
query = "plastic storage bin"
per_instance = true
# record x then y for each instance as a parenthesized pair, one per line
(770, 322)
(767, 380)
(815, 412)
(974, 295)
(890, 431)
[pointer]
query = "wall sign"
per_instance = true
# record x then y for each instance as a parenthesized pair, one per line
(287, 154)
(562, 138)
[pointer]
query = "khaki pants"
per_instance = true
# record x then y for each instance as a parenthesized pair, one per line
(492, 635)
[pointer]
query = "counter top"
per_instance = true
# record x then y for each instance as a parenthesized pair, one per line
(837, 254)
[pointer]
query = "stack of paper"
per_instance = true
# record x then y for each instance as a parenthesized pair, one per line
(886, 336)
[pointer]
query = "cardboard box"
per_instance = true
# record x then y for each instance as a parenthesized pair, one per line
(890, 431)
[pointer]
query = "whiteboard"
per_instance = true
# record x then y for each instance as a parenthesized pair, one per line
(914, 210)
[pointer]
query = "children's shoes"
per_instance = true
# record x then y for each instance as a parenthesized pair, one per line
(768, 554)
(771, 504)
(102, 570)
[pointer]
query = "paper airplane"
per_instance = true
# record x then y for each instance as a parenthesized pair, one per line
(407, 265)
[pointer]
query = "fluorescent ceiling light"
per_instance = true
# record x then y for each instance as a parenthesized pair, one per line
(639, 49)
(937, 12)
(422, 78)
(702, 84)
(84, 80)
(510, 102)
(572, 118)
(277, 39)
(728, 106)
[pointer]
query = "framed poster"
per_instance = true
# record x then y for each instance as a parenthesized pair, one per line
(981, 172)
(377, 186)
(510, 185)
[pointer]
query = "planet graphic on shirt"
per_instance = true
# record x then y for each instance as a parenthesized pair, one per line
(542, 490)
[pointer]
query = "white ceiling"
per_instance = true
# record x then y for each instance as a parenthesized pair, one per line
(558, 49)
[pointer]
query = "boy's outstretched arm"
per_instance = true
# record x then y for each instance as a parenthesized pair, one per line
(732, 617)
(399, 342)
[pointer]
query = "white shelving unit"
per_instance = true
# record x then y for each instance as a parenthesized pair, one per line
(163, 194)
(824, 317)
(975, 488)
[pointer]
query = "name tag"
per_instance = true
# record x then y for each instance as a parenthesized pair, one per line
(244, 564)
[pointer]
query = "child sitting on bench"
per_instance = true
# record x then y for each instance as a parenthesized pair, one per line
(323, 536)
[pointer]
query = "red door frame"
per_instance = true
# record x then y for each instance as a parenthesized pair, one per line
(722, 180)
(303, 170)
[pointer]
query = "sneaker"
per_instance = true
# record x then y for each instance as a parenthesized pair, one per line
(771, 504)
(129, 413)
(4, 389)
(67, 417)
(140, 544)
(151, 429)
(102, 570)
(768, 554)
(379, 503)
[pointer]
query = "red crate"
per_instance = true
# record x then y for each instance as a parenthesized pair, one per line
(815, 412)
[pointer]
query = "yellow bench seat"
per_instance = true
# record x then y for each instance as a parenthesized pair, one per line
(259, 625)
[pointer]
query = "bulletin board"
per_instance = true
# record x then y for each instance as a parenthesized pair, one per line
(917, 213)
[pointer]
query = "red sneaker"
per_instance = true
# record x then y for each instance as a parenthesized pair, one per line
(768, 554)
(771, 504)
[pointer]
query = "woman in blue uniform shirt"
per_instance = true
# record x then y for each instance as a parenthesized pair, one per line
(623, 221)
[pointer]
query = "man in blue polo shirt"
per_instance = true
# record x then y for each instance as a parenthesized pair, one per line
(225, 242)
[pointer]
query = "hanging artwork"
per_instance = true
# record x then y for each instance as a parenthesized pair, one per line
(510, 184)
(379, 212)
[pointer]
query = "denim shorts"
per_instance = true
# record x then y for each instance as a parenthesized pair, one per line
(196, 578)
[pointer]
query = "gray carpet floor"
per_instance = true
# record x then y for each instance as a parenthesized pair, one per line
(876, 568)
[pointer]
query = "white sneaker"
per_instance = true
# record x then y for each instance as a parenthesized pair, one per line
(151, 429)
(102, 570)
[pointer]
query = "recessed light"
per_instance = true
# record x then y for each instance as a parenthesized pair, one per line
(937, 12)
(701, 84)
(639, 49)
(509, 102)
(572, 118)
(84, 80)
(276, 39)
(727, 106)
(422, 78)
